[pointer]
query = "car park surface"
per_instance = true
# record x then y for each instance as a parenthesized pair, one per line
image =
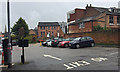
(49, 58)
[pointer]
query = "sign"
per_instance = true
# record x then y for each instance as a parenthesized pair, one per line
(23, 43)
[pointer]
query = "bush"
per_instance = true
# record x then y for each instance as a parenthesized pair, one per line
(98, 28)
(31, 38)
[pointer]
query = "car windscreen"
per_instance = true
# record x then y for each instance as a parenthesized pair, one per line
(60, 39)
(47, 40)
(77, 38)
(68, 39)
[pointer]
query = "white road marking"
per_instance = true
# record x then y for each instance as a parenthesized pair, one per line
(68, 67)
(72, 65)
(112, 53)
(99, 59)
(52, 57)
(76, 64)
(85, 63)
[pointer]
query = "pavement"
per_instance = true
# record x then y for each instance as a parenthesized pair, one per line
(47, 58)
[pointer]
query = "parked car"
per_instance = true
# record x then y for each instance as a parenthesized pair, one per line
(40, 40)
(45, 43)
(65, 43)
(49, 43)
(56, 42)
(82, 42)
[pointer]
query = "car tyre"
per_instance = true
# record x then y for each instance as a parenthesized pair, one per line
(92, 44)
(66, 45)
(77, 46)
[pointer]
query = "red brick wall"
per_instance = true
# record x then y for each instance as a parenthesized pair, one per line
(72, 17)
(107, 37)
(75, 28)
(79, 13)
(91, 12)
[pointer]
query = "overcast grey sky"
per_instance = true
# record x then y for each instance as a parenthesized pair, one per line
(36, 11)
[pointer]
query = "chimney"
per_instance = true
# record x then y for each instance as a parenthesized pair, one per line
(90, 5)
(87, 6)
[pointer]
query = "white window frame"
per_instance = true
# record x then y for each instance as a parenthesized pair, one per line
(110, 19)
(82, 25)
(117, 20)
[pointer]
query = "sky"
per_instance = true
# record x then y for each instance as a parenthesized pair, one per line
(34, 11)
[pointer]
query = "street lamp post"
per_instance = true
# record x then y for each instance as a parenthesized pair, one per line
(9, 39)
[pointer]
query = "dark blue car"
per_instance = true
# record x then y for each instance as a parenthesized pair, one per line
(82, 42)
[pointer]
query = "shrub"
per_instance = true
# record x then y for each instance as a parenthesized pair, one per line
(31, 38)
(98, 28)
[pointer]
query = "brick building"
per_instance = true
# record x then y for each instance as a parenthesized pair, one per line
(32, 32)
(49, 29)
(83, 20)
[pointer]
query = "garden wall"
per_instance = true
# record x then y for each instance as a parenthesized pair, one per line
(104, 37)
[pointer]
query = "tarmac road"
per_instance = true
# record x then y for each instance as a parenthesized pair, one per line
(47, 58)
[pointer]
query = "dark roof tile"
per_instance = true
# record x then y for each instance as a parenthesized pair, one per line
(48, 24)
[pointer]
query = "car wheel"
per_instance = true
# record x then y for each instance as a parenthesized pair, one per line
(92, 44)
(77, 46)
(66, 45)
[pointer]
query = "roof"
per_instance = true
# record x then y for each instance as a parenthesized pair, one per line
(87, 19)
(101, 11)
(107, 10)
(48, 24)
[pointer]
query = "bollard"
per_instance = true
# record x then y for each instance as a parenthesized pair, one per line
(2, 58)
(40, 43)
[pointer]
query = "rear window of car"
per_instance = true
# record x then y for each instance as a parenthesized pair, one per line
(77, 38)
(89, 38)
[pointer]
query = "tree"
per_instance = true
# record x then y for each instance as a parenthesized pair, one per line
(19, 24)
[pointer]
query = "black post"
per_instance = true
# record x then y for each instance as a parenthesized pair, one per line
(9, 39)
(22, 56)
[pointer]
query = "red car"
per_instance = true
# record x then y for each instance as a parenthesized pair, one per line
(65, 43)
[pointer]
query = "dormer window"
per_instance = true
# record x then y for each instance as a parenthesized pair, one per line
(118, 20)
(111, 19)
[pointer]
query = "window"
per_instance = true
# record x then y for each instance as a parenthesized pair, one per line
(89, 38)
(41, 27)
(41, 34)
(52, 27)
(83, 38)
(52, 33)
(111, 19)
(77, 38)
(118, 20)
(48, 27)
(82, 25)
